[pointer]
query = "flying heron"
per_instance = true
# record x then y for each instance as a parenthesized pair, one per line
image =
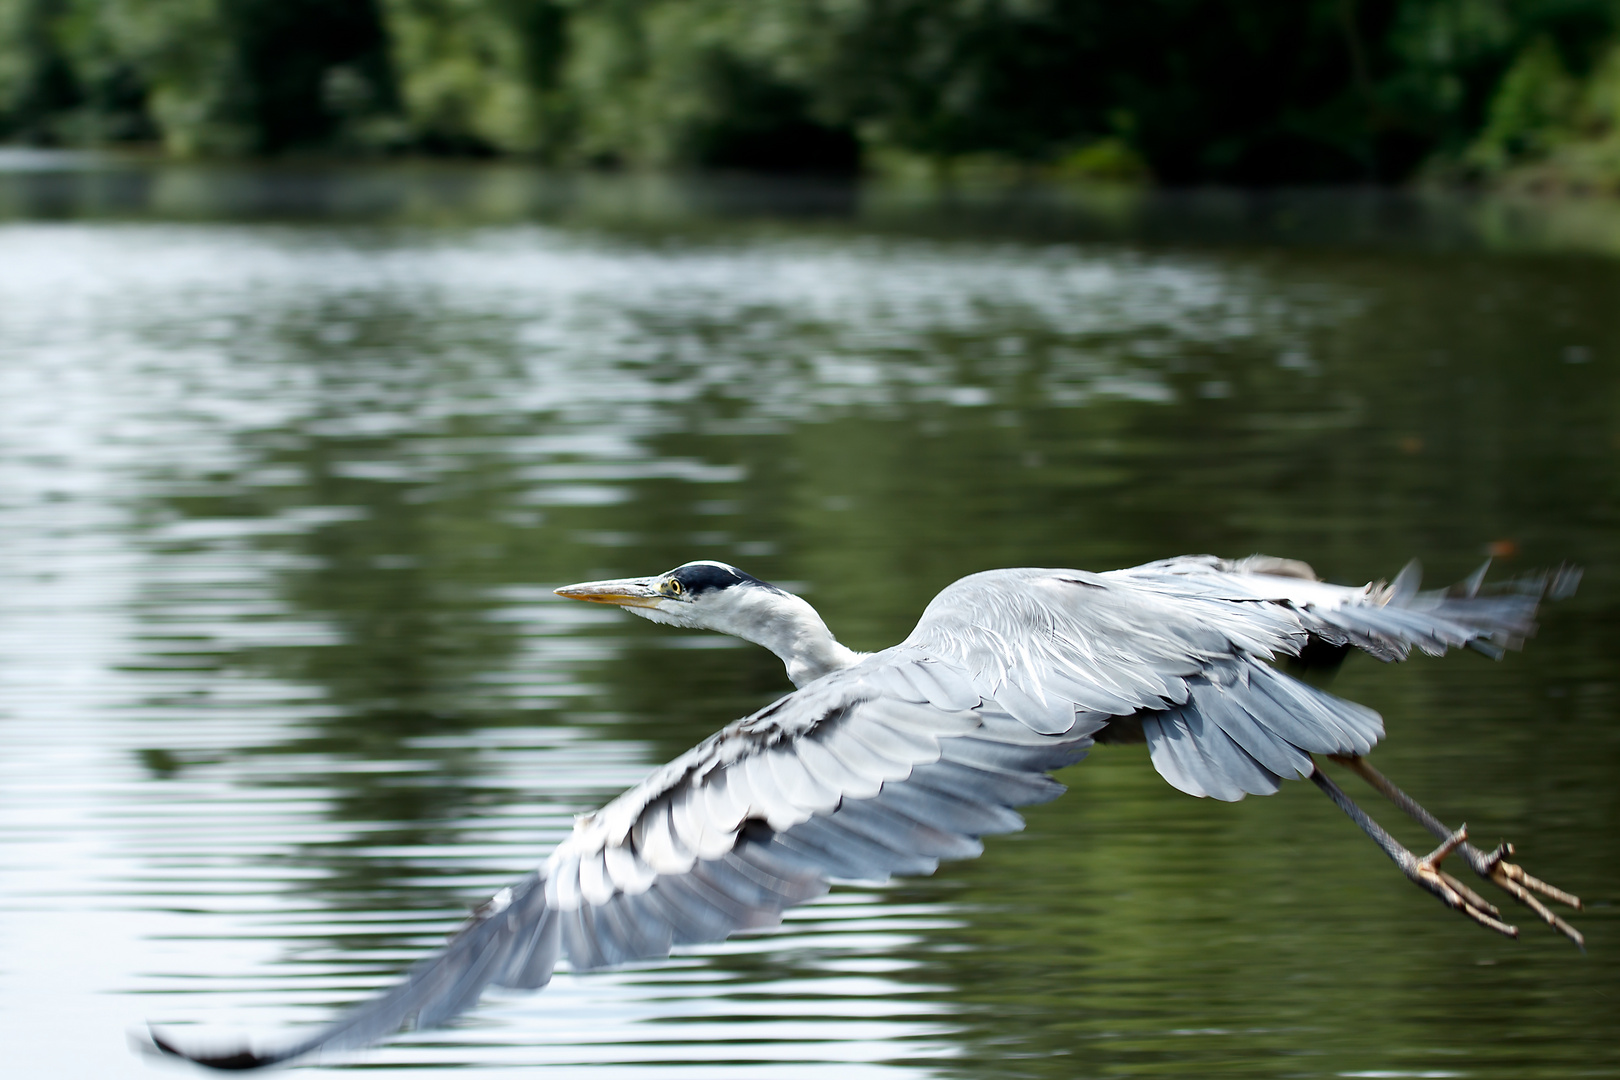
(884, 763)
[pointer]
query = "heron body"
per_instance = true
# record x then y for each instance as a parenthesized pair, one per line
(885, 763)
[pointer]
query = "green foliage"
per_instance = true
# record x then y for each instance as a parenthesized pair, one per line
(1531, 110)
(206, 76)
(1225, 91)
(673, 82)
(1111, 158)
(62, 79)
(1549, 128)
(479, 74)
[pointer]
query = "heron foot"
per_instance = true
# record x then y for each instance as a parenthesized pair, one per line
(1490, 865)
(1423, 872)
(1511, 879)
(1426, 874)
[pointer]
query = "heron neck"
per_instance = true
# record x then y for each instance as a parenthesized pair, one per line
(795, 632)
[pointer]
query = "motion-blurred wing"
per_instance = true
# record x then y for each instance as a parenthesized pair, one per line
(1386, 621)
(886, 767)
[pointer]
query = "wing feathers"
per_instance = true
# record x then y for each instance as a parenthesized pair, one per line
(859, 757)
(562, 879)
(1270, 749)
(1037, 641)
(903, 834)
(832, 771)
(942, 687)
(797, 784)
(535, 954)
(655, 841)
(629, 873)
(848, 854)
(595, 886)
(770, 802)
(988, 785)
(726, 800)
(1243, 733)
(449, 979)
(905, 747)
(949, 810)
(1049, 716)
(1358, 727)
(1238, 770)
(635, 932)
(1165, 739)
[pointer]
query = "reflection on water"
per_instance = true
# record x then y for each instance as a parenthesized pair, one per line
(283, 688)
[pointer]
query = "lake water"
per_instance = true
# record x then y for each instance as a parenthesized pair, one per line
(291, 460)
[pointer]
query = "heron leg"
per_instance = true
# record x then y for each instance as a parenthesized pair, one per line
(1424, 872)
(1490, 865)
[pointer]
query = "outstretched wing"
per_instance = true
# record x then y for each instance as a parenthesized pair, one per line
(911, 755)
(1180, 648)
(886, 767)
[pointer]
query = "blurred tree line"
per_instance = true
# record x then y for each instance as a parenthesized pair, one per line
(1184, 91)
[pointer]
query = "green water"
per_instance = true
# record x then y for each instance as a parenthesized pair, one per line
(291, 460)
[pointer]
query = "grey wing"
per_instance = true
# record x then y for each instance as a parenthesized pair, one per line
(1386, 621)
(883, 768)
(1180, 649)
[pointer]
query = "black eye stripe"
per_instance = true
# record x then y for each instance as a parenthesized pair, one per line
(699, 578)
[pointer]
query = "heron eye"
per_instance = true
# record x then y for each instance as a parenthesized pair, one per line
(673, 587)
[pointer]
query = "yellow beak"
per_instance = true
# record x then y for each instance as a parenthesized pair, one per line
(624, 592)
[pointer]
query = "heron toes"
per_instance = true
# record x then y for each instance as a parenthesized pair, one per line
(1490, 865)
(1426, 873)
(1511, 879)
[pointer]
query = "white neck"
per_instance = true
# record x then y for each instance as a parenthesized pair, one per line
(790, 628)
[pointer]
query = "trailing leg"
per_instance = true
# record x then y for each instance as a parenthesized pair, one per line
(1424, 872)
(1490, 865)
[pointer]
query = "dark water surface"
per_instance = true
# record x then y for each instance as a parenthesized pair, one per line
(288, 469)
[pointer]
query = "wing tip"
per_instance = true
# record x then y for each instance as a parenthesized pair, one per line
(155, 1044)
(1406, 584)
(1565, 580)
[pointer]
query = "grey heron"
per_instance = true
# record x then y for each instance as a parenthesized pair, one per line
(885, 763)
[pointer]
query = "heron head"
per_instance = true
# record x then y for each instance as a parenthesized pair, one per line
(702, 595)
